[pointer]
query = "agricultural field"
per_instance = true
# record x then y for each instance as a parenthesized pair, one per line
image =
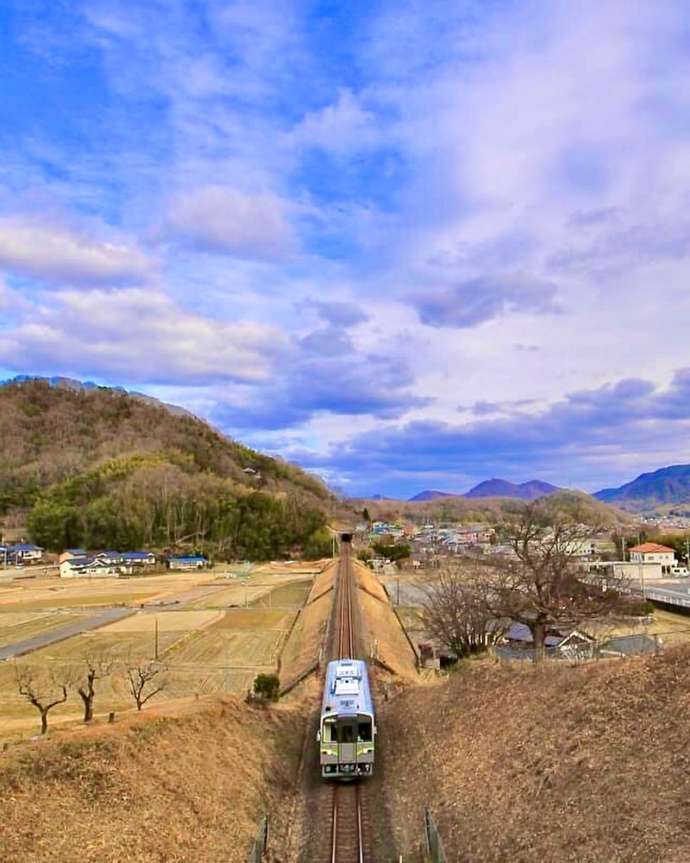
(19, 625)
(212, 635)
(288, 596)
(53, 593)
(281, 589)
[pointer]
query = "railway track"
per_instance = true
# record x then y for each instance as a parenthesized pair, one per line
(349, 812)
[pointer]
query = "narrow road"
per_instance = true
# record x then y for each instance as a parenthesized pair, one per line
(60, 633)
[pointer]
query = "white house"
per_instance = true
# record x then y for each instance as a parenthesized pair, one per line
(652, 552)
(87, 567)
(193, 561)
(24, 553)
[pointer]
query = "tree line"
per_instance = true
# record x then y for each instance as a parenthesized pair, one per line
(45, 689)
(150, 502)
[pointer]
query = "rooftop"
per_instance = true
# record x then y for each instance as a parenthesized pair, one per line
(652, 547)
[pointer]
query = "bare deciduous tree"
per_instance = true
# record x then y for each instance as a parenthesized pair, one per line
(457, 611)
(145, 681)
(95, 668)
(544, 584)
(41, 689)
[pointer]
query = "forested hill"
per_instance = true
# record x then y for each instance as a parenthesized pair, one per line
(100, 468)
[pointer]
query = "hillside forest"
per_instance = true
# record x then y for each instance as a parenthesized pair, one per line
(100, 468)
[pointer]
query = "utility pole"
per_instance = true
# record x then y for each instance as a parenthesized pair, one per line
(225, 670)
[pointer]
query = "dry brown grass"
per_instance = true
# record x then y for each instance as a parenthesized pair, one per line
(323, 582)
(572, 764)
(367, 581)
(301, 652)
(180, 789)
(379, 624)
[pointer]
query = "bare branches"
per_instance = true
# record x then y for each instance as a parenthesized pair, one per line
(145, 681)
(458, 613)
(96, 668)
(544, 584)
(42, 690)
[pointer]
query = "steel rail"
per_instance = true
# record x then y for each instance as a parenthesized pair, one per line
(346, 814)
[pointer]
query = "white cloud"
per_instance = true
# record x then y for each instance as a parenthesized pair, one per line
(137, 335)
(226, 220)
(56, 254)
(342, 127)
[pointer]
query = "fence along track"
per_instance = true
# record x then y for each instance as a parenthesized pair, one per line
(349, 817)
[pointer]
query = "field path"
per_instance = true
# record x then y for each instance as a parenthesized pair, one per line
(60, 633)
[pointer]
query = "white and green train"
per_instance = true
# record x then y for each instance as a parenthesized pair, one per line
(347, 730)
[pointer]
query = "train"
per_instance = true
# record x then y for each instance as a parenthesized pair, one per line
(347, 727)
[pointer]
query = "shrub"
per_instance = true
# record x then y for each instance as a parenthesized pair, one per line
(267, 687)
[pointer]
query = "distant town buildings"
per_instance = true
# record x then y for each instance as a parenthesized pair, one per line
(76, 563)
(652, 552)
(194, 561)
(20, 553)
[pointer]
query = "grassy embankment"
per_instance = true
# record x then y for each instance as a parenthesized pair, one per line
(176, 788)
(573, 764)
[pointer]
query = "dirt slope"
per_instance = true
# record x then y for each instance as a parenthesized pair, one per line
(569, 764)
(170, 789)
(380, 625)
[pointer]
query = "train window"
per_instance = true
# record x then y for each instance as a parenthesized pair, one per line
(346, 734)
(329, 735)
(364, 732)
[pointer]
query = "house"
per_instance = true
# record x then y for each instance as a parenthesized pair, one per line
(652, 552)
(76, 562)
(565, 643)
(24, 553)
(70, 553)
(630, 645)
(138, 558)
(87, 567)
(197, 561)
(110, 557)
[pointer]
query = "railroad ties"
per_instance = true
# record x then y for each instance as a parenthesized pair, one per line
(350, 823)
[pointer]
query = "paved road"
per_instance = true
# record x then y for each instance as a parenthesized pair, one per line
(673, 594)
(60, 633)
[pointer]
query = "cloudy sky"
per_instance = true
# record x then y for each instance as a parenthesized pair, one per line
(406, 244)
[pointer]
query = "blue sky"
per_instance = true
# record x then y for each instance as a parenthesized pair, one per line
(407, 245)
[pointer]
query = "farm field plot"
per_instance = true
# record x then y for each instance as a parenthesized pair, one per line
(168, 621)
(233, 595)
(246, 637)
(287, 596)
(250, 590)
(136, 645)
(205, 650)
(19, 625)
(87, 593)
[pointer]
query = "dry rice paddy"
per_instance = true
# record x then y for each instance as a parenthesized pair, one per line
(216, 638)
(19, 625)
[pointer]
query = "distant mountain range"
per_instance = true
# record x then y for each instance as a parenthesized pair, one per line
(668, 485)
(530, 490)
(430, 494)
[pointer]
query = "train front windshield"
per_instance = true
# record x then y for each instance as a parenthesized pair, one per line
(347, 730)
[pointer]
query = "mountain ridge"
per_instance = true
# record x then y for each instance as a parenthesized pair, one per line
(97, 467)
(665, 485)
(529, 490)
